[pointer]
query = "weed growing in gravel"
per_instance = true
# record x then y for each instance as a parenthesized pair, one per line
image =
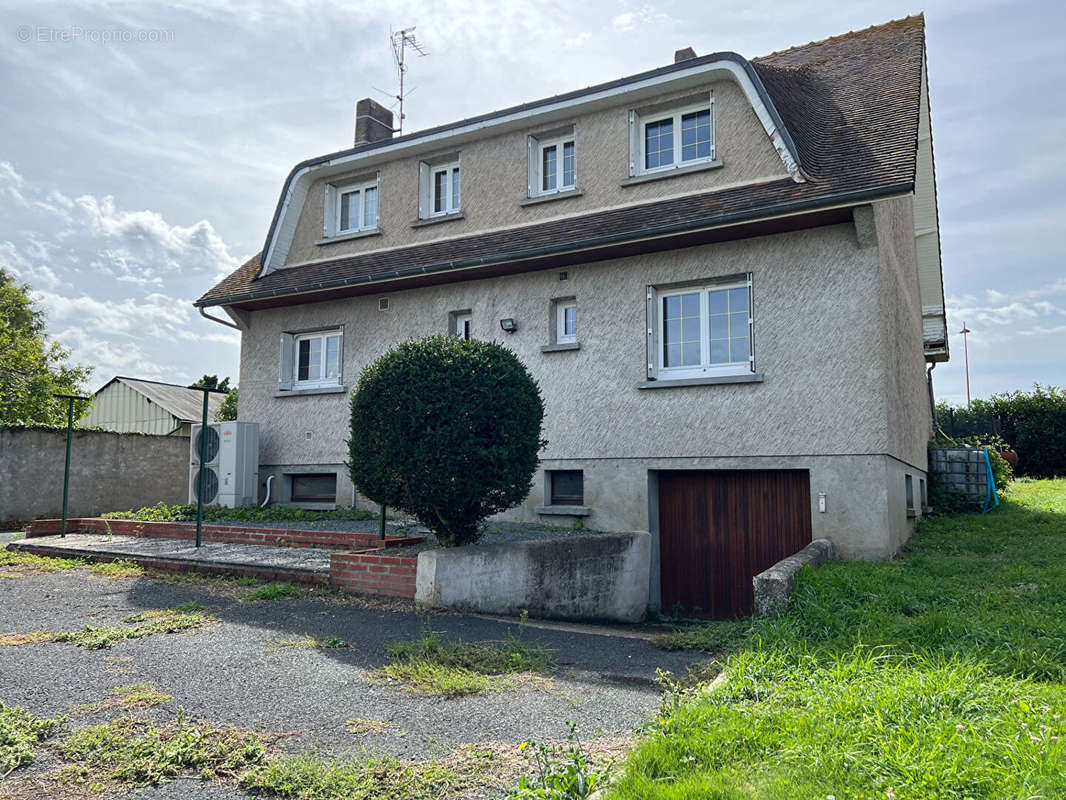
(30, 563)
(357, 725)
(33, 637)
(560, 773)
(136, 695)
(146, 623)
(368, 778)
(116, 570)
(275, 591)
(453, 669)
(307, 641)
(140, 695)
(136, 753)
(20, 732)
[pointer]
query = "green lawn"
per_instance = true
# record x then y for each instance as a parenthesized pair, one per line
(939, 675)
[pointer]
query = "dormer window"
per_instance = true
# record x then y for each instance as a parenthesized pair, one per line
(439, 190)
(350, 208)
(667, 137)
(552, 162)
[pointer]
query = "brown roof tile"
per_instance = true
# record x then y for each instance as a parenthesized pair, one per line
(849, 102)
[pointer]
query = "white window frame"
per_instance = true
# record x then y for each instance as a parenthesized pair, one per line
(322, 382)
(332, 211)
(705, 369)
(561, 336)
(453, 200)
(538, 167)
(464, 325)
(640, 122)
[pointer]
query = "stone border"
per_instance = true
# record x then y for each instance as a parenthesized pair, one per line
(773, 586)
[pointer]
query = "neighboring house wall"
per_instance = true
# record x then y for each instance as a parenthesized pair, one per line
(494, 178)
(117, 407)
(836, 341)
(108, 472)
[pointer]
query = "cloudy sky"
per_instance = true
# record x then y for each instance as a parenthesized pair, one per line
(143, 146)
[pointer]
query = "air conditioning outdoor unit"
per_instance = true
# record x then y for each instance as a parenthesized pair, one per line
(231, 464)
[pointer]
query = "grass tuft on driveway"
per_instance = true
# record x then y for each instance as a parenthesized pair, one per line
(432, 665)
(941, 674)
(20, 733)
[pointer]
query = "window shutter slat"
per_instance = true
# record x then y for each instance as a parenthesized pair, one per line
(531, 154)
(285, 370)
(651, 322)
(634, 144)
(424, 189)
(329, 209)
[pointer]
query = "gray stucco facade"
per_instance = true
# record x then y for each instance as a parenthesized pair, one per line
(838, 346)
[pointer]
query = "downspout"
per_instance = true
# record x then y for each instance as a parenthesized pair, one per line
(205, 315)
(270, 479)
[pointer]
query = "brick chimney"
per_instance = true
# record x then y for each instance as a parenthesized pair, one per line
(684, 54)
(373, 122)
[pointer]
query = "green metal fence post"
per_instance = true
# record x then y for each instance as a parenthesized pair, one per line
(70, 398)
(201, 473)
(381, 524)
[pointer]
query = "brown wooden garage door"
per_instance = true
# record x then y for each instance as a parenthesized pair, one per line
(718, 529)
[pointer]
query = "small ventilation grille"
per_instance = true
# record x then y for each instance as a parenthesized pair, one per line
(308, 435)
(383, 304)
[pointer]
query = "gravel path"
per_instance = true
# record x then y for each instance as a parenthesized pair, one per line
(232, 671)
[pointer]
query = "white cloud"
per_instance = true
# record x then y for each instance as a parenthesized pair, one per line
(116, 284)
(576, 41)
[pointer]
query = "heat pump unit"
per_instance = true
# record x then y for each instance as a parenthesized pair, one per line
(231, 464)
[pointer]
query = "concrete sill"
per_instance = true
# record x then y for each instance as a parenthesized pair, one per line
(748, 377)
(547, 198)
(670, 173)
(309, 392)
(347, 237)
(563, 511)
(421, 223)
(560, 348)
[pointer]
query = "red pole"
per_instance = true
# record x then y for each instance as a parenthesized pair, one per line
(966, 353)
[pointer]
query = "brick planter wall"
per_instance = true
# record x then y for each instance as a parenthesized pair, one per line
(227, 534)
(372, 572)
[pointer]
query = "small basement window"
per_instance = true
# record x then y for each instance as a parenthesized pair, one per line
(566, 487)
(314, 488)
(910, 494)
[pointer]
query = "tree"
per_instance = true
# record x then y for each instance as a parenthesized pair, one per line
(447, 430)
(227, 412)
(212, 382)
(32, 369)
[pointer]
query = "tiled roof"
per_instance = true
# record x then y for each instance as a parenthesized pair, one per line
(850, 104)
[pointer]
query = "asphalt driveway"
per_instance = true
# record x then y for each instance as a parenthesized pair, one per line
(232, 672)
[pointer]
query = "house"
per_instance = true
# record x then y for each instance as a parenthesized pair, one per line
(132, 405)
(724, 274)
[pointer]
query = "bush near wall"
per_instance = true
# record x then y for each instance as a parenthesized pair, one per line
(1033, 423)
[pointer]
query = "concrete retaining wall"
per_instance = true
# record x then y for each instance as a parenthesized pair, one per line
(108, 472)
(773, 586)
(593, 577)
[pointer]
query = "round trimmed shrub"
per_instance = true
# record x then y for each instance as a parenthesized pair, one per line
(447, 430)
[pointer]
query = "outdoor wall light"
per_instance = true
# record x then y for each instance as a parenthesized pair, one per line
(509, 325)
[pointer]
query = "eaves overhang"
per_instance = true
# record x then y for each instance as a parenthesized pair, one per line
(601, 244)
(635, 87)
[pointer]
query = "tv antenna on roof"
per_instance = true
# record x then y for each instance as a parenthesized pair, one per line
(401, 40)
